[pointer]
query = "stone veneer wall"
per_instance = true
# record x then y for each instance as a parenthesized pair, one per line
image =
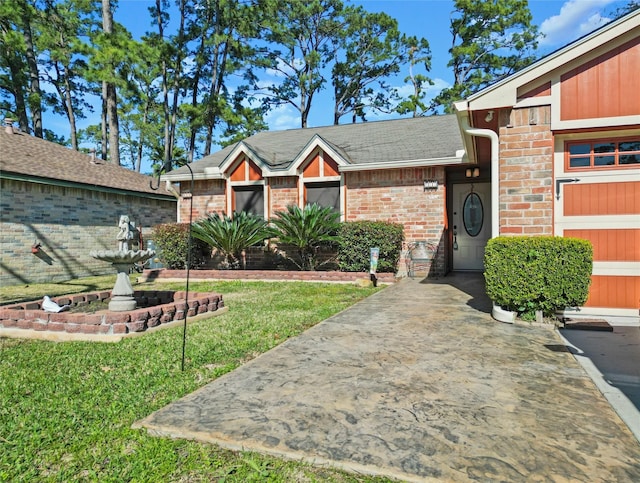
(69, 223)
(526, 172)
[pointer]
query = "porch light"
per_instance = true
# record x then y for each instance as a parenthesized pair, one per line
(472, 172)
(430, 184)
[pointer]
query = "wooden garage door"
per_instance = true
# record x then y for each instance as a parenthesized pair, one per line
(598, 199)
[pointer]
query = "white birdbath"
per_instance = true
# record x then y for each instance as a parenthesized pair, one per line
(122, 293)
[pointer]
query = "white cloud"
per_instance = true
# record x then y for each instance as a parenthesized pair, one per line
(576, 18)
(282, 117)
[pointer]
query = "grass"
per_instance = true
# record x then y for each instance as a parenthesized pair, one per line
(66, 408)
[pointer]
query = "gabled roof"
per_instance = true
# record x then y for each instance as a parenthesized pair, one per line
(370, 145)
(33, 159)
(504, 93)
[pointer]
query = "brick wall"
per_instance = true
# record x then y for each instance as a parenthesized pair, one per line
(398, 196)
(208, 198)
(69, 223)
(283, 192)
(526, 162)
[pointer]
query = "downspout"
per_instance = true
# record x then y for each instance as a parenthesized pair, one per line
(495, 174)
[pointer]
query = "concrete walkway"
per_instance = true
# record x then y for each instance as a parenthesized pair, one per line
(419, 383)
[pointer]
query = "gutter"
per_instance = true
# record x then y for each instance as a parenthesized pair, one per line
(410, 163)
(463, 118)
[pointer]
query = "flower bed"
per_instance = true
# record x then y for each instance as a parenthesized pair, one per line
(154, 308)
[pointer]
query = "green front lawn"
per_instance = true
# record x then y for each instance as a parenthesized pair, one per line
(66, 408)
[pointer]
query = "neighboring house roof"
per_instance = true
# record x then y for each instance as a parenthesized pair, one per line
(369, 145)
(29, 158)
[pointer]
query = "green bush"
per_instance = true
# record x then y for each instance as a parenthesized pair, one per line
(172, 241)
(358, 237)
(525, 274)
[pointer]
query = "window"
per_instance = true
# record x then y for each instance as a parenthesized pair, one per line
(603, 153)
(249, 199)
(324, 194)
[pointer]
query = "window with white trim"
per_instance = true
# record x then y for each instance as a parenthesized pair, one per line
(323, 193)
(249, 198)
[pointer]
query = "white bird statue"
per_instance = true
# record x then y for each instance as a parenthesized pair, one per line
(49, 305)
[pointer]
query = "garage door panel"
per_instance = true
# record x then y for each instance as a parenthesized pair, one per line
(611, 245)
(589, 199)
(614, 291)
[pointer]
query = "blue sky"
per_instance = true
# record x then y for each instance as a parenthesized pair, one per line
(561, 21)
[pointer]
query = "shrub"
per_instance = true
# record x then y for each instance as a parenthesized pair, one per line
(231, 235)
(358, 237)
(306, 230)
(172, 241)
(525, 274)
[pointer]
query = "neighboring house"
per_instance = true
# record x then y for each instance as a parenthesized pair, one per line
(505, 164)
(65, 204)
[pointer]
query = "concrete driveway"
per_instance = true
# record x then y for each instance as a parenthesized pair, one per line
(419, 383)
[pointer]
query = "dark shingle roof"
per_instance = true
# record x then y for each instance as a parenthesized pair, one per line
(28, 156)
(398, 140)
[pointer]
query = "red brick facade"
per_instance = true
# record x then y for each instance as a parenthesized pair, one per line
(526, 172)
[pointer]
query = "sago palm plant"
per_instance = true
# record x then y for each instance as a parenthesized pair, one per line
(306, 230)
(231, 235)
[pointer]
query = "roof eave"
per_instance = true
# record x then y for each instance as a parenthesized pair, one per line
(72, 184)
(459, 158)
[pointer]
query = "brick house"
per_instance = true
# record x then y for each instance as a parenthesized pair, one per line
(368, 171)
(561, 140)
(69, 203)
(503, 164)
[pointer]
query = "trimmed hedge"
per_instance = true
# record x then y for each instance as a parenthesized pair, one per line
(525, 274)
(356, 238)
(172, 241)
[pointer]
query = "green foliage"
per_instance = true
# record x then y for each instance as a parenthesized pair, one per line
(307, 230)
(491, 40)
(172, 242)
(231, 235)
(525, 274)
(358, 237)
(66, 408)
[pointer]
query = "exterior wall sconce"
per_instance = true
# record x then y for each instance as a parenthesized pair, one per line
(35, 248)
(472, 172)
(430, 184)
(488, 117)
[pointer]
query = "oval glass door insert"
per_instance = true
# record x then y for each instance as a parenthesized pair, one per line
(472, 214)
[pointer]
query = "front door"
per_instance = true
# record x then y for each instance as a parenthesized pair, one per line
(471, 224)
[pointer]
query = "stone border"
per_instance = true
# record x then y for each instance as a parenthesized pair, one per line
(158, 308)
(166, 275)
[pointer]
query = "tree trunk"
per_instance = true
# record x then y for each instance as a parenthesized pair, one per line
(165, 92)
(103, 137)
(35, 95)
(110, 93)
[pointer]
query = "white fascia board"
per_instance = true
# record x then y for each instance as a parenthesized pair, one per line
(464, 119)
(316, 142)
(409, 163)
(242, 148)
(184, 177)
(504, 93)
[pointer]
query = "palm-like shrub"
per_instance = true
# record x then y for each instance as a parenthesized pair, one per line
(306, 230)
(231, 235)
